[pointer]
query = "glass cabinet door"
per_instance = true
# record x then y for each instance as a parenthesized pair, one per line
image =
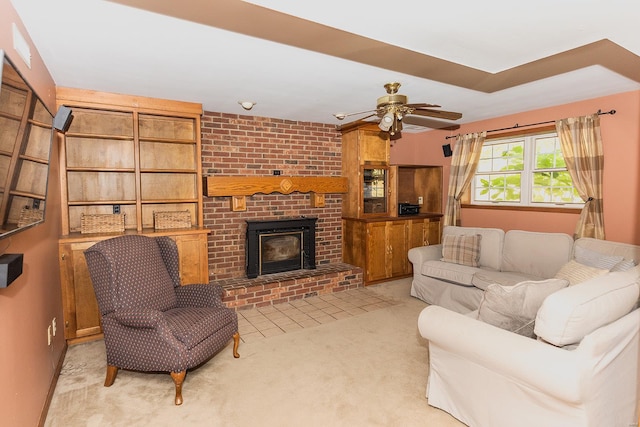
(374, 190)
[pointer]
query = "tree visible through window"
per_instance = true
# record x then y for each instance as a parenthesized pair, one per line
(526, 171)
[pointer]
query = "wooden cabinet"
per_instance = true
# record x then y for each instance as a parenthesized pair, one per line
(134, 156)
(365, 163)
(380, 246)
(374, 236)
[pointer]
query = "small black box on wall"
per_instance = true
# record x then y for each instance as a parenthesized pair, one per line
(10, 268)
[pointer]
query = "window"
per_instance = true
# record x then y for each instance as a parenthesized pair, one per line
(524, 171)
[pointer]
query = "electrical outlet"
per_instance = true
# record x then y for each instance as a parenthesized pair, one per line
(116, 209)
(49, 335)
(54, 326)
(420, 200)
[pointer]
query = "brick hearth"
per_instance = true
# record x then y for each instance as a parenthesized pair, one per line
(243, 293)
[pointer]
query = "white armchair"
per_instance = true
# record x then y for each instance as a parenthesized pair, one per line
(486, 376)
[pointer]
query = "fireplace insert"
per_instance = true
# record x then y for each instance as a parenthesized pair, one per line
(275, 246)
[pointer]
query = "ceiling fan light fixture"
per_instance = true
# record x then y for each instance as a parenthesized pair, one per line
(387, 121)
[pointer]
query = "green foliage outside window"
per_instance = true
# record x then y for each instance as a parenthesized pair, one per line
(511, 170)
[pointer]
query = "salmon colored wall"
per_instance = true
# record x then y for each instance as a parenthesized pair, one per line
(27, 306)
(621, 144)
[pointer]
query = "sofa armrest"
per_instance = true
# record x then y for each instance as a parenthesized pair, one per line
(420, 254)
(505, 353)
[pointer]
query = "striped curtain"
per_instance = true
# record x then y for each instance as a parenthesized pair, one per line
(464, 162)
(582, 150)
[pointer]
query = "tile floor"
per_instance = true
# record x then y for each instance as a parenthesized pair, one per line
(258, 323)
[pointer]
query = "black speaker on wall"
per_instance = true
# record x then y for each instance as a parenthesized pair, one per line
(446, 150)
(62, 120)
(10, 268)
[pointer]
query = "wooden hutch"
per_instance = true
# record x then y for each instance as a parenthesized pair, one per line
(375, 236)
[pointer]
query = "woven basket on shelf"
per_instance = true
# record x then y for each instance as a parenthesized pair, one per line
(171, 219)
(29, 216)
(102, 223)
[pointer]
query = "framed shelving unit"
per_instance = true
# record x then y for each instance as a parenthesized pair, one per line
(128, 155)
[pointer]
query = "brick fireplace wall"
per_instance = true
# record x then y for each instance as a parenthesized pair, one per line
(246, 146)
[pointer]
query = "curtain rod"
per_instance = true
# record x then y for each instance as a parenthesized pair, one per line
(517, 126)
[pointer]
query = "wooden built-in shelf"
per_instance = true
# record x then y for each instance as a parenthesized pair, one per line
(238, 187)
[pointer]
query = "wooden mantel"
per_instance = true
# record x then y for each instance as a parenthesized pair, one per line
(238, 187)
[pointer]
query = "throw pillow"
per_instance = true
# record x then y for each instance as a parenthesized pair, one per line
(596, 259)
(575, 272)
(514, 308)
(624, 265)
(461, 249)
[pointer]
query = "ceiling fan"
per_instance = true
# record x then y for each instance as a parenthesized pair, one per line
(393, 109)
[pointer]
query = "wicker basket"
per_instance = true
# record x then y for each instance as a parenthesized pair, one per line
(171, 219)
(29, 216)
(102, 223)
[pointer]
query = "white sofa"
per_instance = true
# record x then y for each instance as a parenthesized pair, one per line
(581, 370)
(505, 258)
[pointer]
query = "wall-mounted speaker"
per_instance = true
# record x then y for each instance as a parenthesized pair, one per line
(446, 150)
(10, 268)
(62, 120)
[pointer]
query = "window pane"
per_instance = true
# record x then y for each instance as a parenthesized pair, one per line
(548, 153)
(497, 188)
(554, 187)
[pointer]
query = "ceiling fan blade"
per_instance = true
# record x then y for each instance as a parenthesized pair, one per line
(447, 115)
(341, 116)
(355, 123)
(422, 105)
(429, 123)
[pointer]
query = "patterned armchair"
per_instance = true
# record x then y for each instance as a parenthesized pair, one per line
(150, 322)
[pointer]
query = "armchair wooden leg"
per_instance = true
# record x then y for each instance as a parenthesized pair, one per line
(178, 379)
(112, 371)
(236, 343)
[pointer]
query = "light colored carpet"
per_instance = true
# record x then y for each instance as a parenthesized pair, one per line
(366, 370)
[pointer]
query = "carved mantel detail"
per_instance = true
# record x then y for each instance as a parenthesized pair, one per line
(238, 187)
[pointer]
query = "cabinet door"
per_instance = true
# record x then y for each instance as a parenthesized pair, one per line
(397, 243)
(80, 308)
(193, 253)
(418, 234)
(377, 252)
(434, 236)
(373, 146)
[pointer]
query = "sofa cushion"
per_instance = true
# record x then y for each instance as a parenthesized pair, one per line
(536, 253)
(462, 249)
(484, 278)
(576, 273)
(449, 272)
(514, 308)
(491, 247)
(570, 314)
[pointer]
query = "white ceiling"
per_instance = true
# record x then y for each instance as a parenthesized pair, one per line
(107, 46)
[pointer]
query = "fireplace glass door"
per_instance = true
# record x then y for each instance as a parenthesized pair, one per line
(281, 251)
